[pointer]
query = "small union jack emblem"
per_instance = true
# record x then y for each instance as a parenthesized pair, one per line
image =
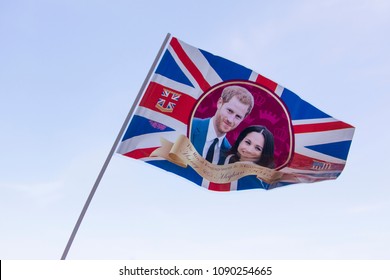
(321, 165)
(167, 101)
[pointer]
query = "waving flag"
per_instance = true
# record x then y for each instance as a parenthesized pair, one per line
(186, 87)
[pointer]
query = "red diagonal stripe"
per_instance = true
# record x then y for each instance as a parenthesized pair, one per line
(140, 153)
(191, 67)
(317, 127)
(271, 85)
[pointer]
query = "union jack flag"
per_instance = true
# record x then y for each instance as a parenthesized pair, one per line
(319, 143)
(167, 101)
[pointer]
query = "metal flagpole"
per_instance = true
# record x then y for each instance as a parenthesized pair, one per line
(118, 138)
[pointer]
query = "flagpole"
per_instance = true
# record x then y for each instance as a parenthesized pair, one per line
(117, 140)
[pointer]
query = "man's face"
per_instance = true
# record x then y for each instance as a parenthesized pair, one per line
(229, 115)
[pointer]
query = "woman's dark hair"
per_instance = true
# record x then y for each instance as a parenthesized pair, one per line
(267, 155)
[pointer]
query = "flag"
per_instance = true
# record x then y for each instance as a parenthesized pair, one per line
(186, 90)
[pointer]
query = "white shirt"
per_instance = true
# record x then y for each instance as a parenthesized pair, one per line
(211, 135)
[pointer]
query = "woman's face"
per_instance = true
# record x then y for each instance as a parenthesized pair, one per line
(251, 147)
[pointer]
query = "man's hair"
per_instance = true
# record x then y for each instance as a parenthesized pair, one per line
(243, 95)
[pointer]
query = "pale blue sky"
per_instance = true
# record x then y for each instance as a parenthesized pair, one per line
(69, 72)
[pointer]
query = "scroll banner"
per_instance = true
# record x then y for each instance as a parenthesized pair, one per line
(183, 153)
